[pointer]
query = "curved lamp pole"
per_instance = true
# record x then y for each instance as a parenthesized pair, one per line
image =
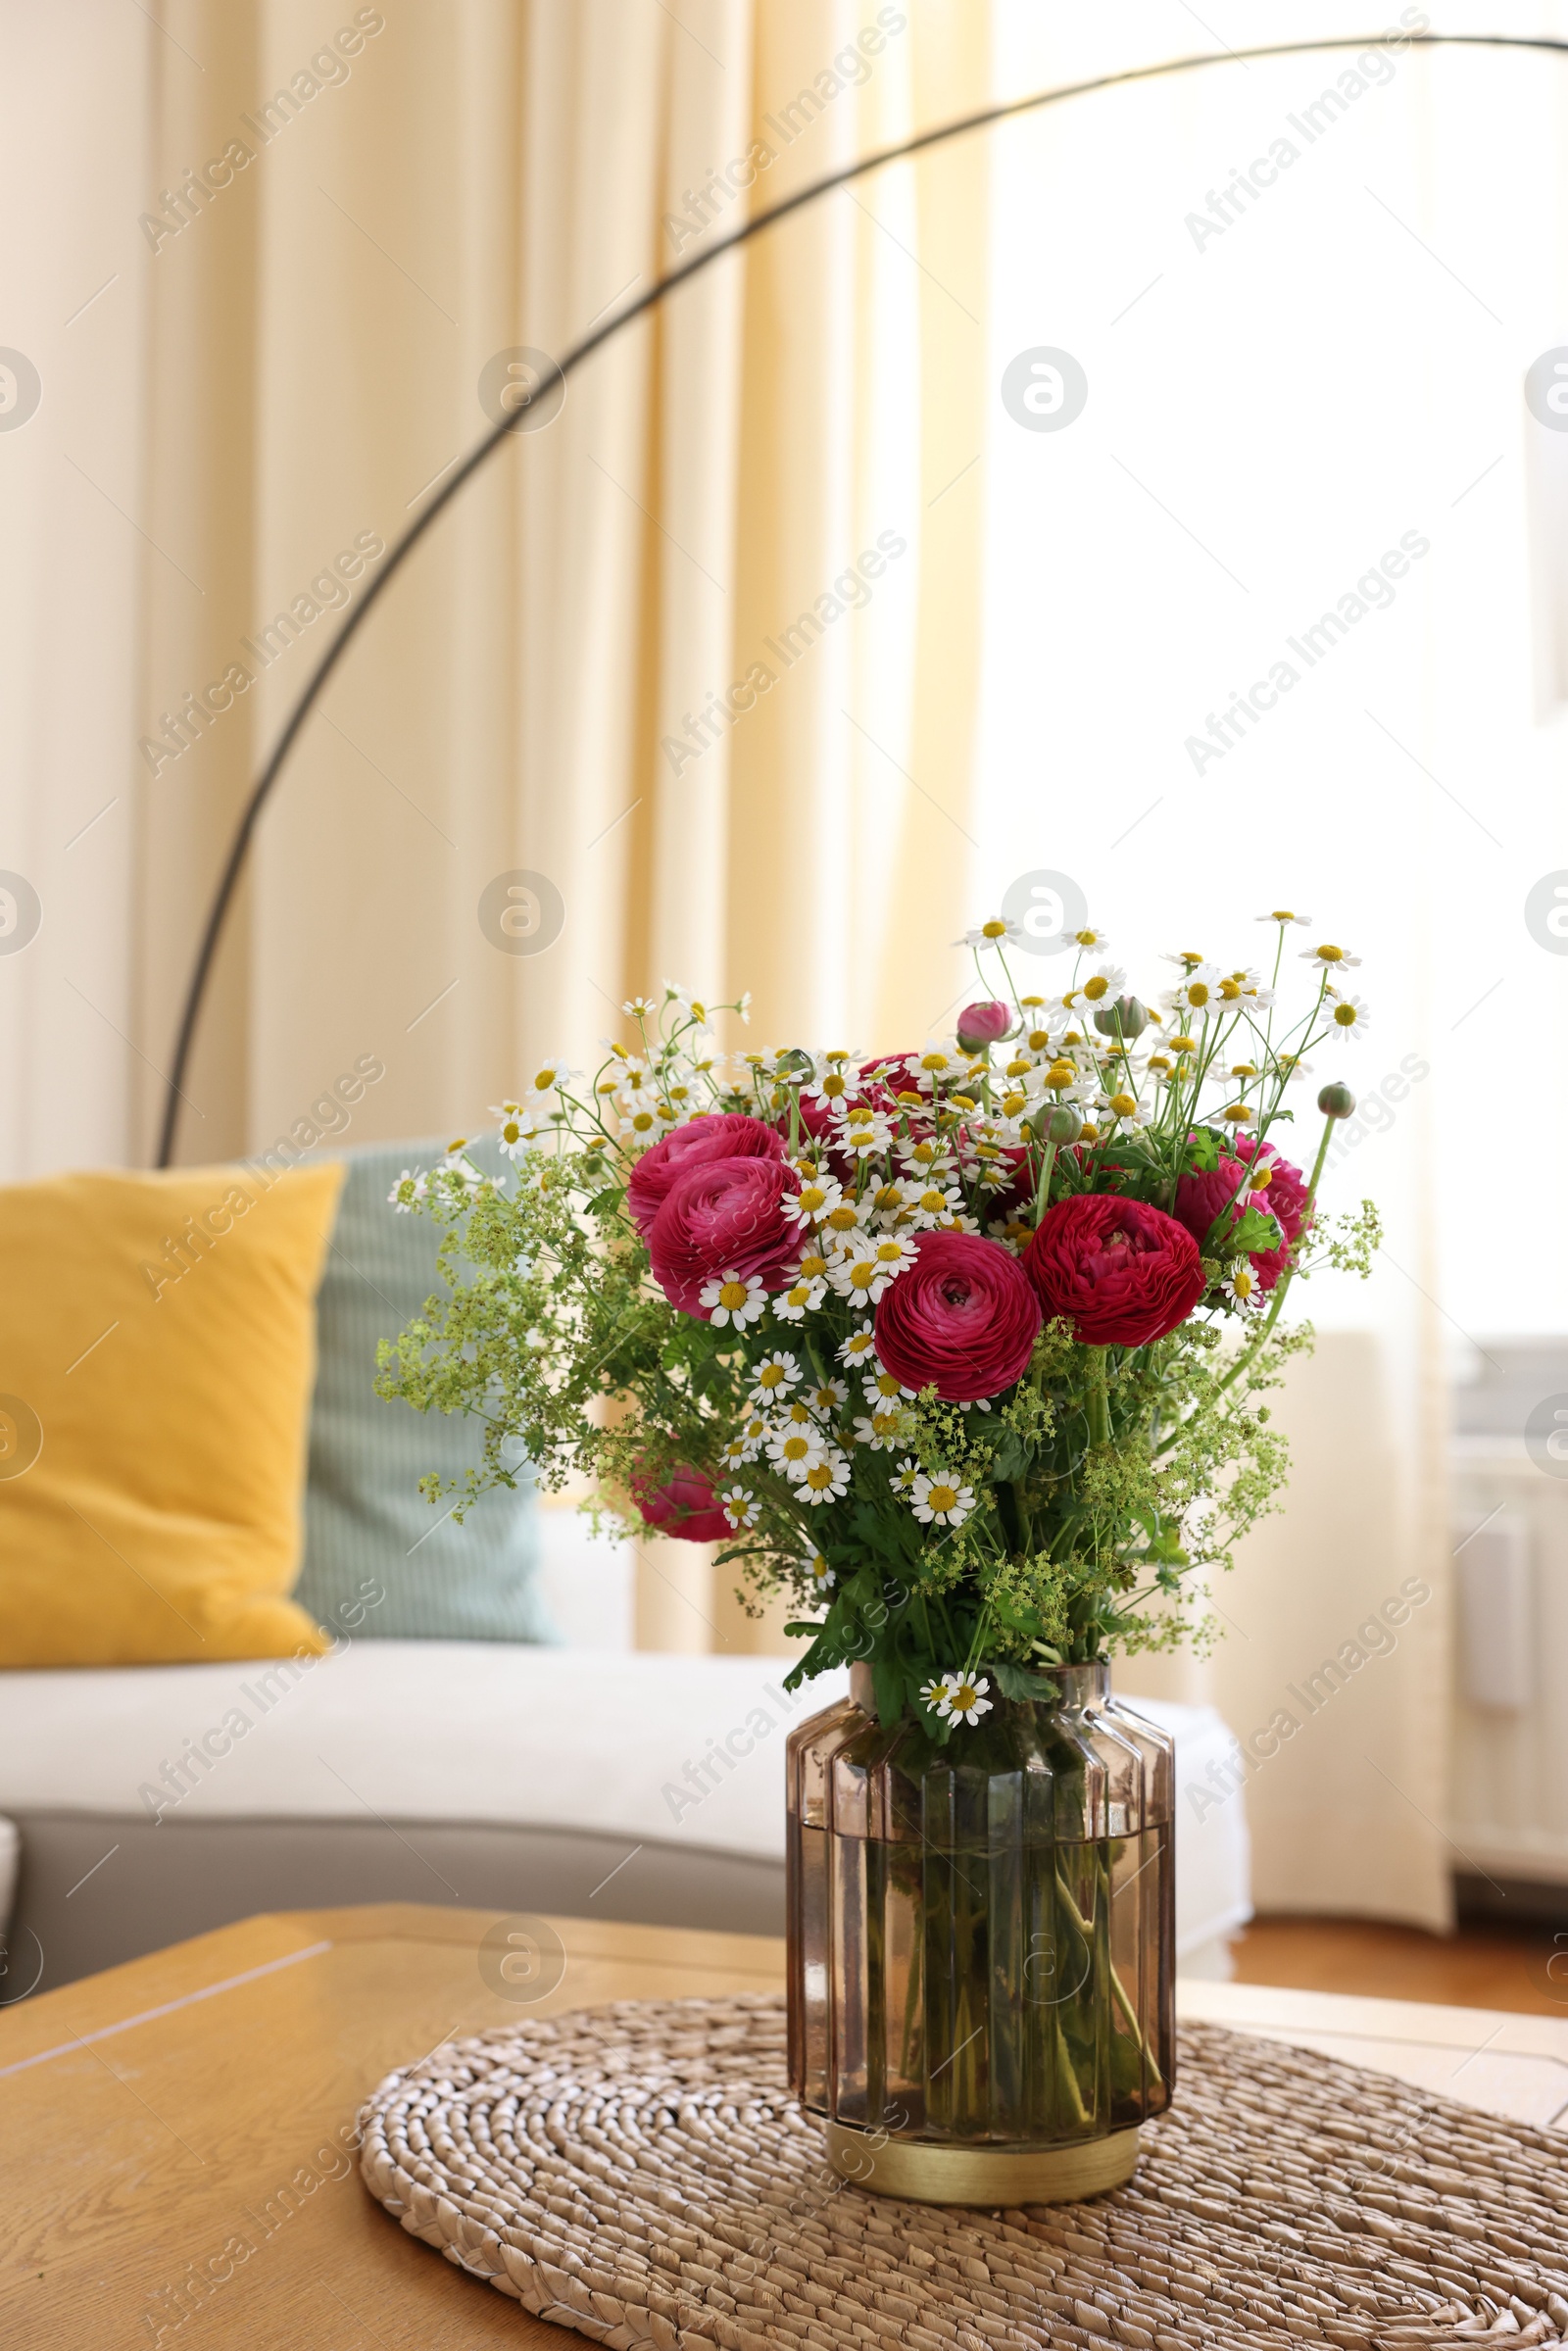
(981, 120)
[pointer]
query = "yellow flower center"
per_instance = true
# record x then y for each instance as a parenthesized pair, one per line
(863, 1274)
(812, 1197)
(835, 1083)
(1345, 1016)
(994, 930)
(1331, 955)
(886, 1384)
(942, 1498)
(964, 1698)
(890, 1253)
(1124, 1104)
(820, 1478)
(1262, 1175)
(1095, 988)
(771, 1375)
(641, 1123)
(1237, 1113)
(796, 1448)
(1198, 993)
(812, 1268)
(843, 1218)
(732, 1295)
(933, 1061)
(1241, 1282)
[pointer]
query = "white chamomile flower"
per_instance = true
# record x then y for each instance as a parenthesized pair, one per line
(1292, 1068)
(941, 1501)
(411, 1185)
(827, 1480)
(866, 1132)
(934, 1200)
(866, 1267)
(819, 1575)
(805, 1293)
(794, 1449)
(819, 1195)
(889, 1203)
(932, 1156)
(773, 1377)
(1105, 985)
(859, 1347)
(1235, 986)
(552, 1076)
(934, 1695)
(521, 1122)
(905, 1475)
(990, 933)
(1348, 1016)
(1282, 916)
(1126, 1110)
(641, 1007)
(1242, 1286)
(638, 1114)
(1091, 940)
(881, 1388)
(1199, 992)
(938, 1066)
(834, 1079)
(733, 1299)
(1329, 959)
(740, 1506)
(737, 1452)
(965, 1699)
(879, 1429)
(827, 1399)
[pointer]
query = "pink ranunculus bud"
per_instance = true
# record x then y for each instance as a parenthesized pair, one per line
(685, 1506)
(984, 1024)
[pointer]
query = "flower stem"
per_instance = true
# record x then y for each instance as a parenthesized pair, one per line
(1098, 1398)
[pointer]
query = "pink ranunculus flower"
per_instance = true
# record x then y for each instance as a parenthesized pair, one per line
(717, 1135)
(723, 1216)
(984, 1024)
(684, 1506)
(1282, 1191)
(963, 1319)
(1205, 1194)
(1122, 1273)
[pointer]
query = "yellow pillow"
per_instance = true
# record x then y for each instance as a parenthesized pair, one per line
(157, 1357)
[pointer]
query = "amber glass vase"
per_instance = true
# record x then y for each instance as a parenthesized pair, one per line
(980, 1943)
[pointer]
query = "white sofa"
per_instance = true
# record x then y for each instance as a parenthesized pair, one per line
(156, 1802)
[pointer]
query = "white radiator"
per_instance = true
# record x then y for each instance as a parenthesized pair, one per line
(1508, 1814)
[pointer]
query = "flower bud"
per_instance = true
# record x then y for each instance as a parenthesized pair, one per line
(980, 1025)
(1063, 1125)
(1126, 1017)
(1336, 1101)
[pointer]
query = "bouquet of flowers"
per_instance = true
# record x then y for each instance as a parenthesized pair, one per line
(964, 1348)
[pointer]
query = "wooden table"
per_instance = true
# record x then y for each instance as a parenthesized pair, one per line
(177, 2116)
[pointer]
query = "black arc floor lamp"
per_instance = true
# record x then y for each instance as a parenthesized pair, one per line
(635, 308)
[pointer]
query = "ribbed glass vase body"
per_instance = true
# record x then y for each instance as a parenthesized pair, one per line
(980, 1936)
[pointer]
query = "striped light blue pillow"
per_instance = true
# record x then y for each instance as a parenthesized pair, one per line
(368, 1528)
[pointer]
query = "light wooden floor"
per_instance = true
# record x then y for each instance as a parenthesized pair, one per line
(1480, 1967)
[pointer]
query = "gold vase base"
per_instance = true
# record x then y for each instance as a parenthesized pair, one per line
(927, 2172)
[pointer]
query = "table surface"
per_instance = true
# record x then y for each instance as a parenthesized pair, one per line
(152, 2116)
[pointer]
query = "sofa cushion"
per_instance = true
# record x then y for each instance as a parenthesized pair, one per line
(379, 1561)
(157, 1351)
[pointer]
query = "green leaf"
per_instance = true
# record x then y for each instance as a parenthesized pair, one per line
(1016, 1681)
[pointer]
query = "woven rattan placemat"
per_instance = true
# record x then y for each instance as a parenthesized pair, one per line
(640, 2172)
